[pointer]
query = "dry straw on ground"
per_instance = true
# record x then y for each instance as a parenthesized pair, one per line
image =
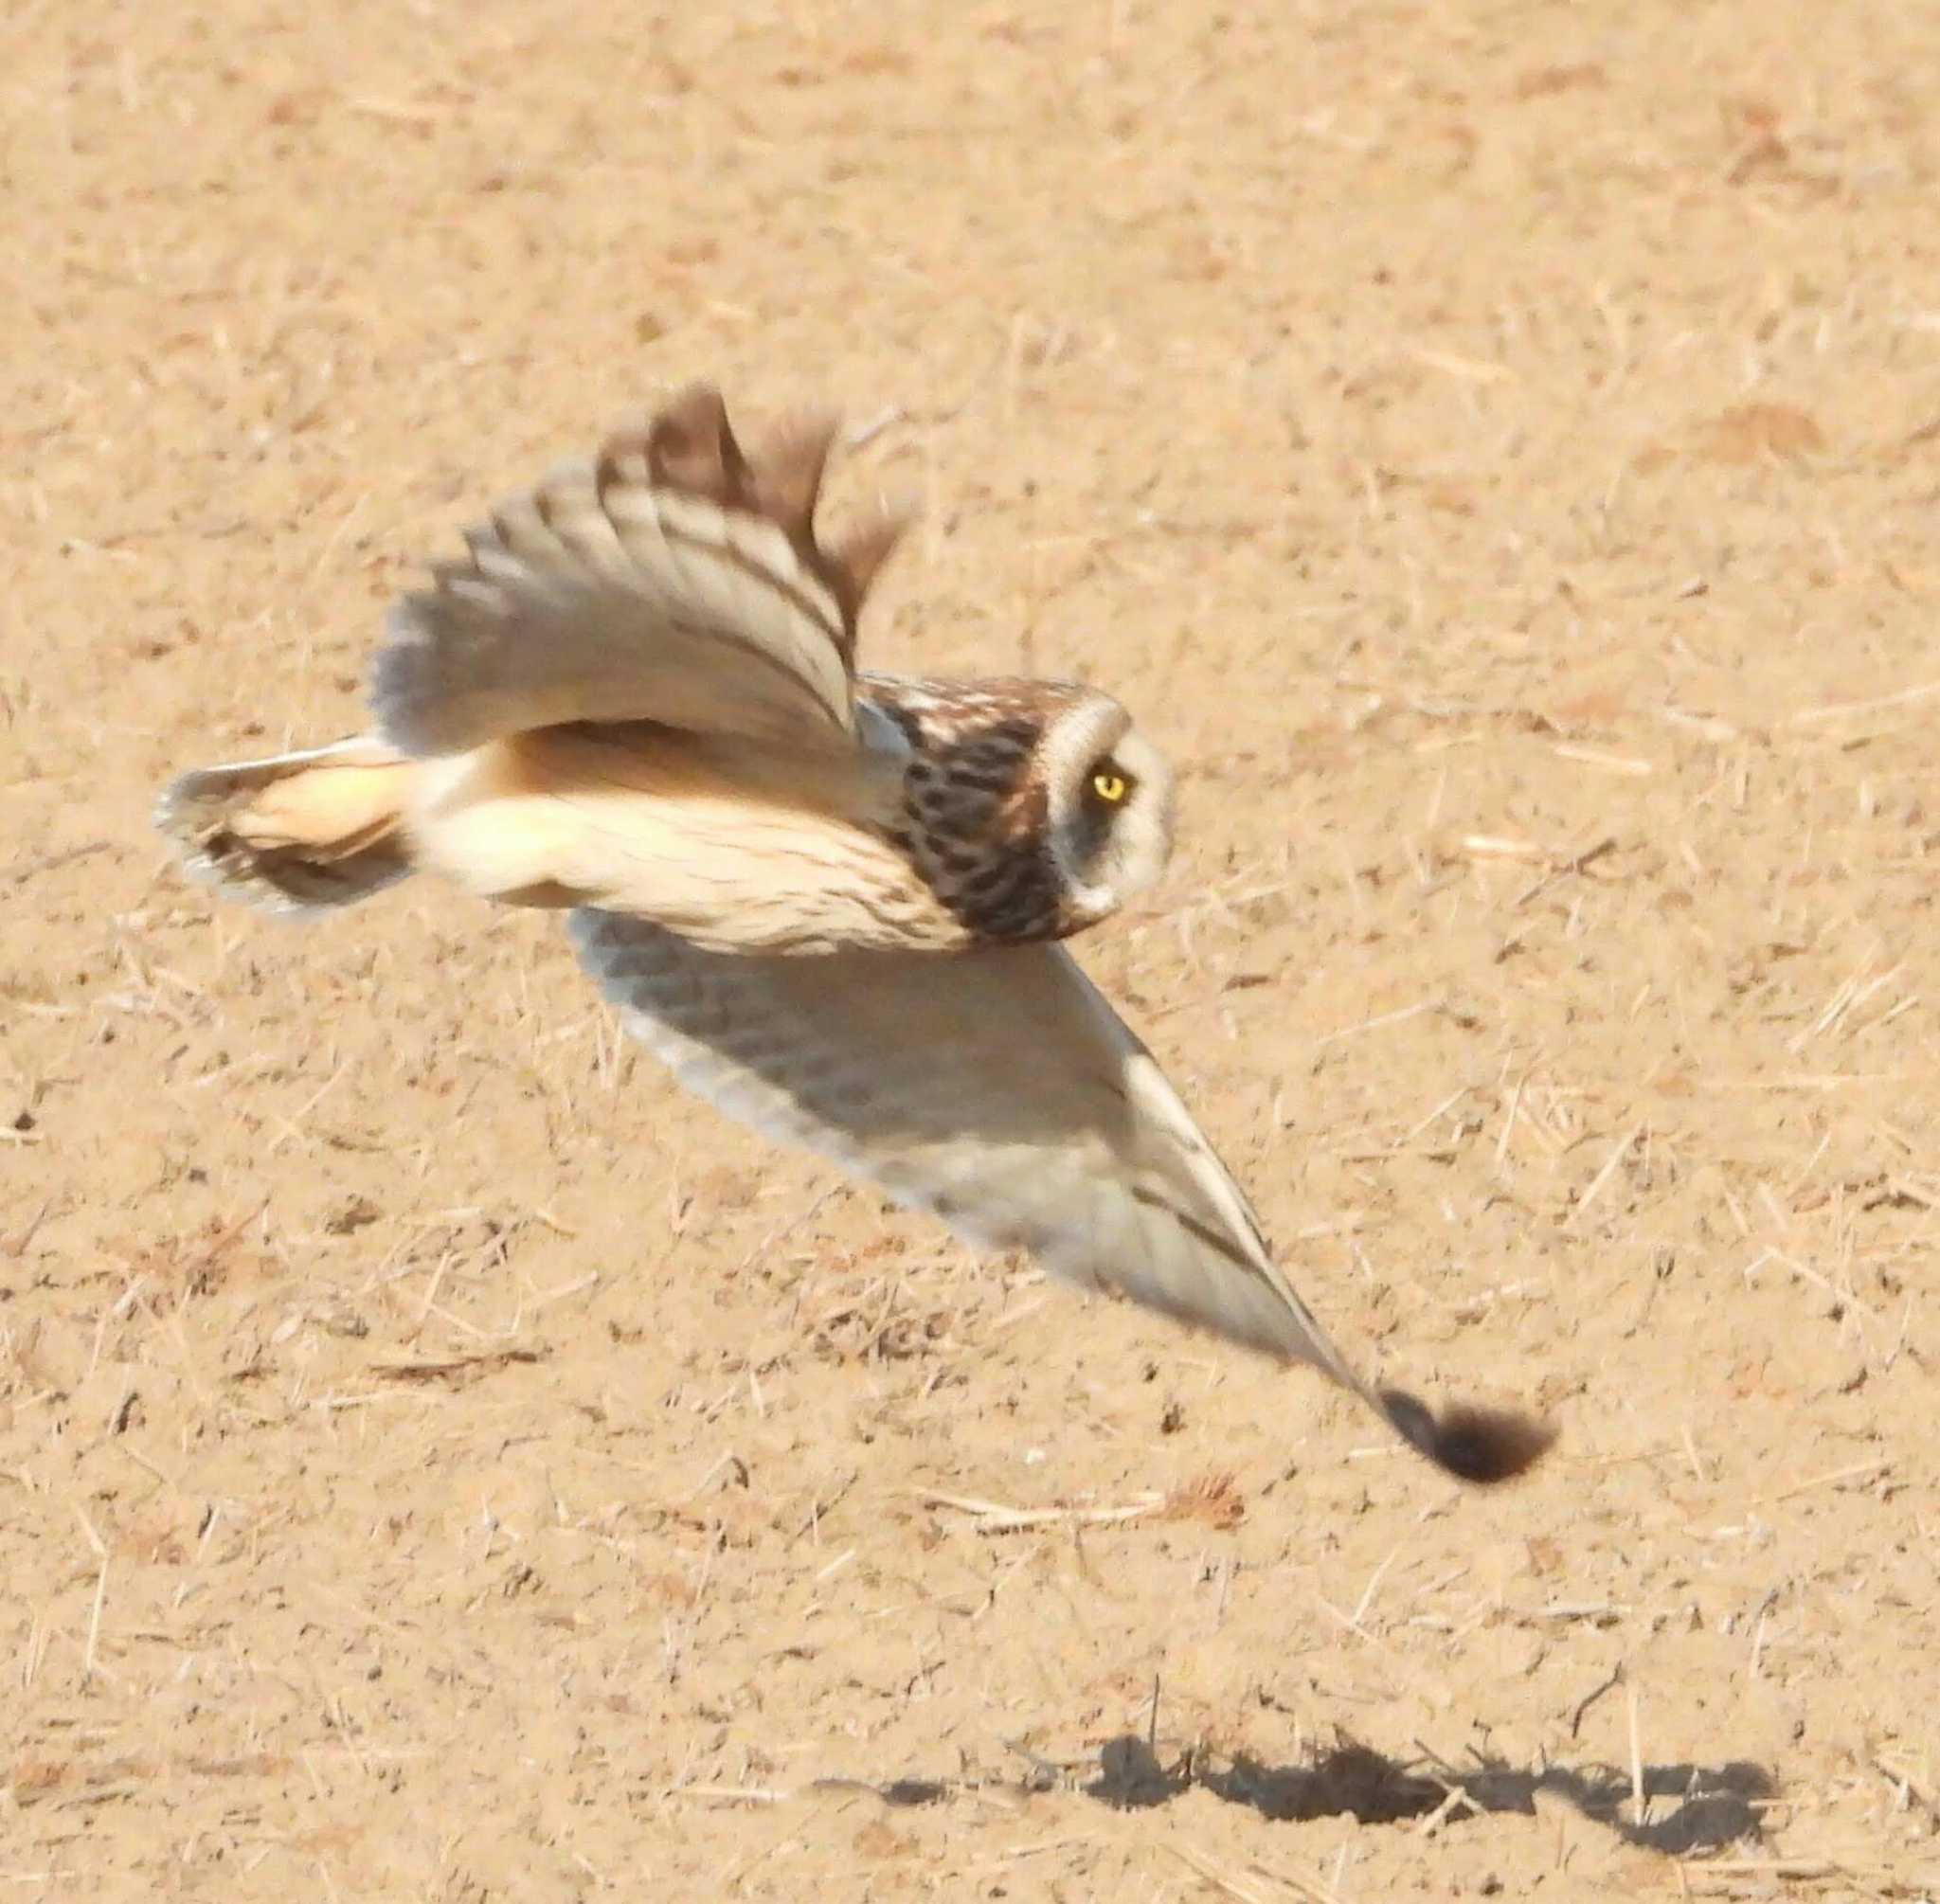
(1496, 452)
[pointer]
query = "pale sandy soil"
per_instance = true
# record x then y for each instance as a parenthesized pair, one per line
(1497, 453)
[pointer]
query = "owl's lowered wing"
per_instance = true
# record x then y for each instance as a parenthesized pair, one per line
(670, 579)
(1001, 1091)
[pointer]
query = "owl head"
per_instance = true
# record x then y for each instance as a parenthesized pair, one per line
(1108, 806)
(1033, 808)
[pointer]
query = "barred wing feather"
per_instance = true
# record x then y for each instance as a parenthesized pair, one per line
(1001, 1092)
(668, 580)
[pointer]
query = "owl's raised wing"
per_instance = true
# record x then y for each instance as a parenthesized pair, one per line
(669, 579)
(1001, 1091)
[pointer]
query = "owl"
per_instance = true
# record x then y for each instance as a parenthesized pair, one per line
(834, 903)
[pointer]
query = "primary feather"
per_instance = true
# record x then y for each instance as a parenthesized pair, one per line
(668, 580)
(1005, 1096)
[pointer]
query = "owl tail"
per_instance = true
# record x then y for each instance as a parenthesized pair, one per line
(320, 828)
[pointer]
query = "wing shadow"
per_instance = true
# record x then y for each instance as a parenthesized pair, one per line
(1715, 1805)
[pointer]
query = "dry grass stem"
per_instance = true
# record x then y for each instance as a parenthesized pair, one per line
(1496, 464)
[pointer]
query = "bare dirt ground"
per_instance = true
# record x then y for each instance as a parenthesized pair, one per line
(1497, 450)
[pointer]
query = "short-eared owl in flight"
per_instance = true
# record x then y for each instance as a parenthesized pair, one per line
(833, 902)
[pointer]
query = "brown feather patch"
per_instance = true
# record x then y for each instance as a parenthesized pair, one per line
(690, 446)
(858, 554)
(788, 477)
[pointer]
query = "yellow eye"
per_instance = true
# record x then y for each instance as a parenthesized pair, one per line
(1110, 785)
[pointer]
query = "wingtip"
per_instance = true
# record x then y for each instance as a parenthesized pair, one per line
(788, 474)
(1478, 1445)
(691, 445)
(859, 555)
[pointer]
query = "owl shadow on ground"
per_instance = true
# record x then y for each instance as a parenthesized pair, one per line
(1712, 1806)
(1715, 1805)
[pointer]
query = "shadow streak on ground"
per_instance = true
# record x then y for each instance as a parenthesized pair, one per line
(1718, 1805)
